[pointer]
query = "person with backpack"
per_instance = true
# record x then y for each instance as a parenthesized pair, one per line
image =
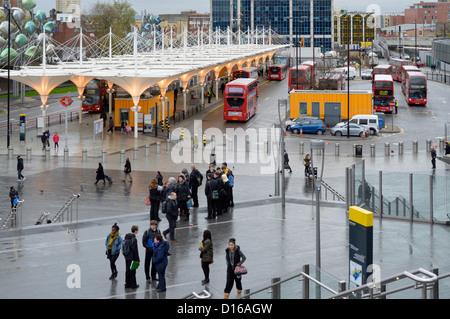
(170, 208)
(147, 242)
(160, 253)
(13, 194)
(113, 244)
(131, 253)
(195, 181)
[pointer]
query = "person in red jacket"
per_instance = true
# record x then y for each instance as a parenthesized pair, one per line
(56, 140)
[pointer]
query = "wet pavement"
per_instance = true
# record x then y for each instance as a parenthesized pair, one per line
(37, 261)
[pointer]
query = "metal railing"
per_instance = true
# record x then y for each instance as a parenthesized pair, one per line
(427, 282)
(14, 218)
(67, 210)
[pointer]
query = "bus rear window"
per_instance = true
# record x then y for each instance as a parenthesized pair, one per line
(235, 102)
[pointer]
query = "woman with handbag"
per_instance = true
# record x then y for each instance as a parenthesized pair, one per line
(206, 254)
(234, 258)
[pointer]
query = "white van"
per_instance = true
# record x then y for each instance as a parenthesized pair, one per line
(352, 72)
(367, 120)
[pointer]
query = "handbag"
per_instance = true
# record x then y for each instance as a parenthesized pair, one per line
(215, 194)
(147, 200)
(240, 270)
(189, 203)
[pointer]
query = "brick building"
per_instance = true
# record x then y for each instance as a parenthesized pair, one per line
(428, 12)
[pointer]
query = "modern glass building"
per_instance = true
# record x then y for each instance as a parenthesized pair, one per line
(311, 19)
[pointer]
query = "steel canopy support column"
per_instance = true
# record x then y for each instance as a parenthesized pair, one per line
(136, 109)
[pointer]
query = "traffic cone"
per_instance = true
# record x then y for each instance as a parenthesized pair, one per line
(301, 131)
(364, 134)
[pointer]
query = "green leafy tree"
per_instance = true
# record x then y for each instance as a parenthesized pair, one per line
(119, 16)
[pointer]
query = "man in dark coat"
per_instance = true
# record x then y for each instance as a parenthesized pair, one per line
(20, 177)
(195, 180)
(211, 186)
(171, 211)
(130, 275)
(147, 242)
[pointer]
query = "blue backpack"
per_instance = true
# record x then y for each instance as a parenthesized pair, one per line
(231, 180)
(126, 247)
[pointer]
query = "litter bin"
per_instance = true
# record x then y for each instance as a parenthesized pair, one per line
(358, 150)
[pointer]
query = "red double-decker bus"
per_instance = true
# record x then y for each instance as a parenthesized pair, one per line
(246, 73)
(381, 69)
(330, 81)
(277, 72)
(397, 65)
(240, 100)
(93, 95)
(416, 88)
(406, 69)
(300, 78)
(341, 75)
(383, 93)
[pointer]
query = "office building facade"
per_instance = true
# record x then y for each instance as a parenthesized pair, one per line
(312, 20)
(353, 28)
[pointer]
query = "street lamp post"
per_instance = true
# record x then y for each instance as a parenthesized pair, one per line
(348, 75)
(7, 6)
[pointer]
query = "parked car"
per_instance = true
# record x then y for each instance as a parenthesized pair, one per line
(289, 123)
(366, 74)
(309, 126)
(369, 121)
(355, 130)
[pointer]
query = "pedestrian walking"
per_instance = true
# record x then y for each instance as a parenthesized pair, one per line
(44, 140)
(123, 124)
(131, 254)
(47, 138)
(195, 181)
(234, 257)
(170, 208)
(13, 196)
(286, 161)
(160, 253)
(396, 106)
(111, 125)
(307, 164)
(100, 174)
(148, 242)
(56, 140)
(447, 148)
(206, 254)
(20, 177)
(113, 245)
(212, 194)
(155, 199)
(183, 195)
(127, 170)
(433, 156)
(222, 87)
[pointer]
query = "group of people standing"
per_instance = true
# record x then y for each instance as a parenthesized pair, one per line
(45, 139)
(157, 257)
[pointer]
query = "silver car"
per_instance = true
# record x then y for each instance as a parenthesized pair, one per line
(355, 130)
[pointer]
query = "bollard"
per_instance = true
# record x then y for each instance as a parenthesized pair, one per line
(302, 148)
(103, 155)
(400, 148)
(66, 153)
(28, 153)
(135, 153)
(158, 147)
(336, 149)
(84, 155)
(441, 144)
(247, 145)
(10, 152)
(168, 144)
(415, 147)
(47, 153)
(387, 150)
(354, 149)
(122, 156)
(147, 150)
(372, 150)
(266, 146)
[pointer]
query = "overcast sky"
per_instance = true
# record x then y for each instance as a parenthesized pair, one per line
(175, 6)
